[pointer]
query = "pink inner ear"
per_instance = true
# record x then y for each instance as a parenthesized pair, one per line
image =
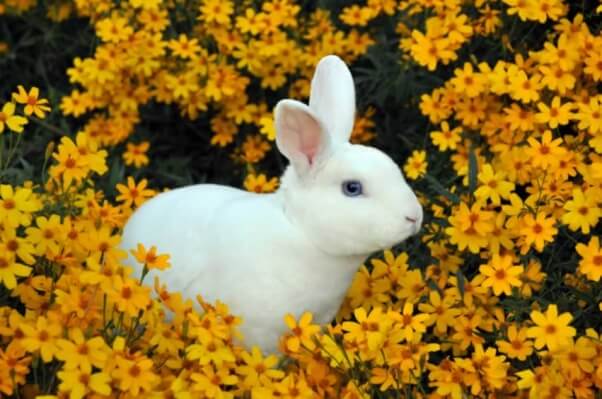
(309, 137)
(310, 153)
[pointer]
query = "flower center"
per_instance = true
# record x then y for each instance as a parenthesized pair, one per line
(9, 203)
(43, 336)
(500, 274)
(134, 370)
(126, 292)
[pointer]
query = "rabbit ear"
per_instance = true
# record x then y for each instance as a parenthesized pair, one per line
(332, 97)
(300, 135)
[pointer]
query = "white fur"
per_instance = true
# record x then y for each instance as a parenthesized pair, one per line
(298, 249)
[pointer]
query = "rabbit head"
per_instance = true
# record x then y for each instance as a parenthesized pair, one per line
(349, 200)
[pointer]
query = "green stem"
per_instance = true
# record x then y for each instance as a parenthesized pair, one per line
(1, 153)
(12, 149)
(48, 126)
(144, 273)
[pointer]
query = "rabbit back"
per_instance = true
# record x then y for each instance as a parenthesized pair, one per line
(177, 223)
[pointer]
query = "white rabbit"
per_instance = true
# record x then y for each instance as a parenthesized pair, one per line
(298, 249)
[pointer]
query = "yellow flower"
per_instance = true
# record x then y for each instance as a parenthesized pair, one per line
(210, 350)
(556, 78)
(33, 105)
(369, 289)
(78, 383)
(77, 352)
(556, 114)
(448, 379)
(71, 165)
(128, 296)
(429, 51)
(537, 231)
(416, 165)
(578, 357)
(523, 8)
(470, 227)
(42, 337)
(519, 118)
(14, 360)
(589, 116)
(551, 330)
(582, 212)
(517, 346)
(466, 332)
(150, 259)
(468, 82)
(524, 88)
(544, 9)
(135, 376)
(493, 186)
(183, 47)
(412, 286)
(257, 369)
(267, 127)
(593, 65)
(293, 385)
(113, 29)
(441, 310)
(47, 236)
(17, 205)
(532, 279)
(10, 120)
(134, 194)
(565, 54)
(76, 103)
(104, 241)
(501, 275)
(409, 326)
(145, 4)
(357, 16)
(445, 138)
(254, 149)
(385, 377)
(260, 183)
(590, 263)
(217, 11)
(210, 381)
(136, 154)
(369, 329)
(10, 269)
(301, 334)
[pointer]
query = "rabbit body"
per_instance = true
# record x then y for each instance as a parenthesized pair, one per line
(298, 249)
(240, 248)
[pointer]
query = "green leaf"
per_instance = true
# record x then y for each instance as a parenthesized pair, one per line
(116, 175)
(461, 281)
(473, 171)
(438, 187)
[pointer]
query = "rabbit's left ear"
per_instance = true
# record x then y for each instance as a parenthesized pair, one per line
(301, 136)
(332, 97)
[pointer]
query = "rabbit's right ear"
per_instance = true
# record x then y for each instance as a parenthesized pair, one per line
(332, 97)
(300, 135)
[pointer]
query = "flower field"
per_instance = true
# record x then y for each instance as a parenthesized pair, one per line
(491, 108)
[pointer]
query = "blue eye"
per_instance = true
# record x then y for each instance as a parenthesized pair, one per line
(352, 188)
